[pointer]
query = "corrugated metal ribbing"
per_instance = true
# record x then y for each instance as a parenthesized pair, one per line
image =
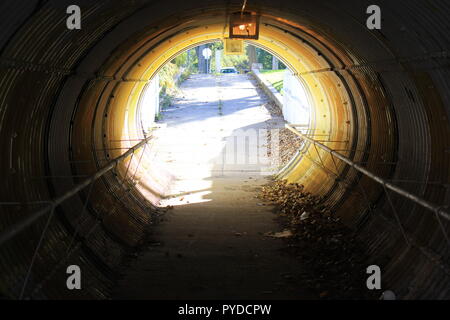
(423, 132)
(26, 181)
(38, 57)
(397, 80)
(413, 72)
(13, 14)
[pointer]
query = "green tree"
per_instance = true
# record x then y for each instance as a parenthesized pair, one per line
(265, 58)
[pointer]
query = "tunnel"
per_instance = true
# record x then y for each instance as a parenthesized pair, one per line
(70, 105)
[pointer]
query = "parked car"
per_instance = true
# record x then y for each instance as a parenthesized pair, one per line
(228, 70)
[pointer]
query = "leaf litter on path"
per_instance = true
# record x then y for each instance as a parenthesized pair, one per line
(334, 258)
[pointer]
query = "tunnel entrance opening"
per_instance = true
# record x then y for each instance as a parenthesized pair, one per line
(321, 120)
(288, 99)
(218, 142)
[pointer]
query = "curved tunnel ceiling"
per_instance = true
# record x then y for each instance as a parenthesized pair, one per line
(68, 97)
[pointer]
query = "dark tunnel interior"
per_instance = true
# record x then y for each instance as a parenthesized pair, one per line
(69, 107)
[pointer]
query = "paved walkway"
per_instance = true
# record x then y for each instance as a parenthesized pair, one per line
(211, 244)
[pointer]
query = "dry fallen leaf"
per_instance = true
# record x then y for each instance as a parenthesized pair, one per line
(282, 234)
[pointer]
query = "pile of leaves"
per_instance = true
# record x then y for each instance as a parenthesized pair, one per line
(270, 106)
(334, 258)
(290, 143)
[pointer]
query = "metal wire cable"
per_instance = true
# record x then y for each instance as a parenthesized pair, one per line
(78, 245)
(35, 253)
(438, 210)
(32, 218)
(243, 7)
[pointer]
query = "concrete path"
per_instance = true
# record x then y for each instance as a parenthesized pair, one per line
(211, 244)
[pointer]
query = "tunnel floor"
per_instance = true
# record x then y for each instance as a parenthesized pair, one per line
(212, 242)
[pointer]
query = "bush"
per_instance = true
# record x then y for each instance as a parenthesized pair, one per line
(167, 75)
(170, 87)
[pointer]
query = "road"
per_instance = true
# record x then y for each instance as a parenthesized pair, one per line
(211, 243)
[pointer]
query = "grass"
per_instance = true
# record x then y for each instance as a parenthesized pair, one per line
(275, 77)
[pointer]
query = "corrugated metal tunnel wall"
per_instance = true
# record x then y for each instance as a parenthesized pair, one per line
(68, 97)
